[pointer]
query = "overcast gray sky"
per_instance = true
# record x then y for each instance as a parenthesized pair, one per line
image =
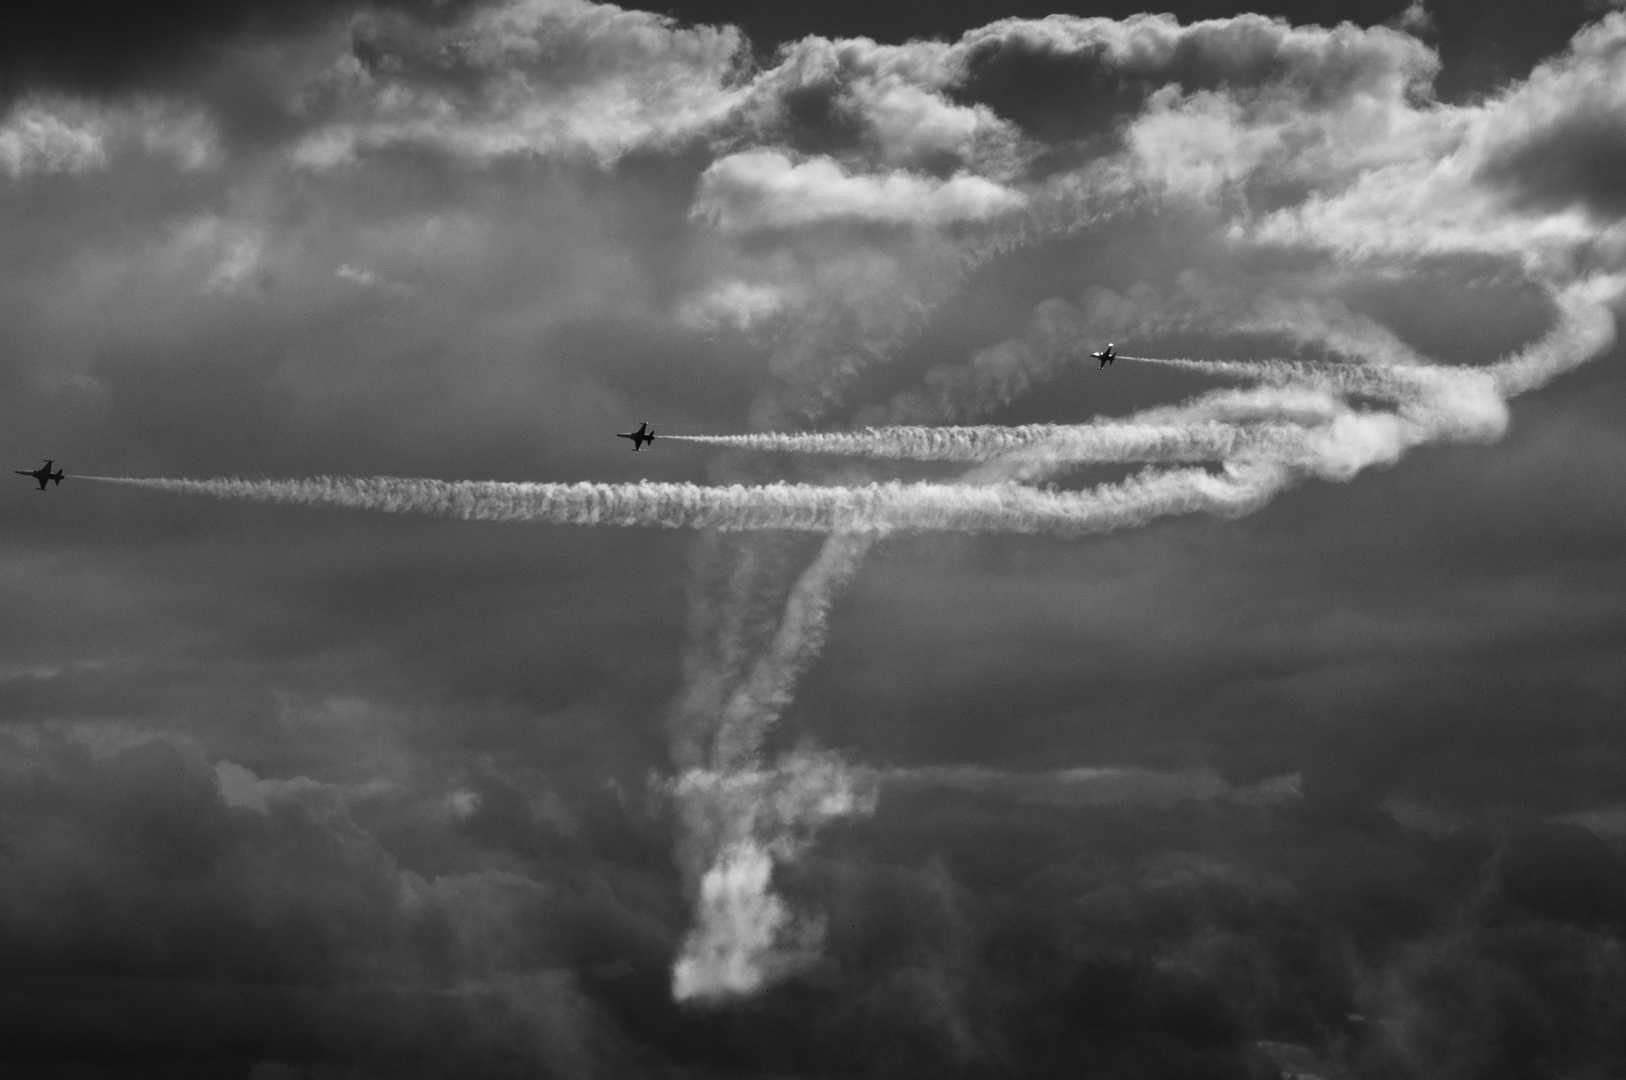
(1304, 757)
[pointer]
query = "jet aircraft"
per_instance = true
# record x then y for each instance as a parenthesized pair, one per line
(42, 474)
(640, 437)
(1106, 355)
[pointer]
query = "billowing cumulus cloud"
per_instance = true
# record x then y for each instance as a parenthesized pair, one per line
(546, 77)
(897, 766)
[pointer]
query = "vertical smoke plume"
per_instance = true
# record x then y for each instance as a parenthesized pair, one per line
(743, 936)
(730, 596)
(758, 703)
(743, 933)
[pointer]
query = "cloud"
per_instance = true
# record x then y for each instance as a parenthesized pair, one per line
(743, 821)
(562, 78)
(45, 135)
(739, 304)
(1558, 139)
(1246, 51)
(889, 105)
(1099, 786)
(36, 139)
(764, 189)
(1456, 197)
(212, 899)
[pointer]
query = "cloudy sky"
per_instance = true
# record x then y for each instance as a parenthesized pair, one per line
(1253, 718)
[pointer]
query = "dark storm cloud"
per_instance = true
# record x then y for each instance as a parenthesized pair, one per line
(105, 47)
(1040, 941)
(271, 923)
(349, 796)
(1578, 155)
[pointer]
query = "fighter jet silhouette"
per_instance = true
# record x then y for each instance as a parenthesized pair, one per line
(42, 475)
(1106, 355)
(640, 437)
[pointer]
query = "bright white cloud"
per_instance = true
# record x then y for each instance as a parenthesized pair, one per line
(766, 189)
(561, 78)
(893, 96)
(1518, 176)
(1244, 52)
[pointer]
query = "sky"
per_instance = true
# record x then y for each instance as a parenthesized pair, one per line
(945, 703)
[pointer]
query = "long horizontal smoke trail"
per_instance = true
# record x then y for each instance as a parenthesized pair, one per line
(1433, 404)
(1585, 328)
(882, 507)
(1104, 442)
(1390, 382)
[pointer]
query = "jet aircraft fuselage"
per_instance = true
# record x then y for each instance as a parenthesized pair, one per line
(644, 435)
(42, 474)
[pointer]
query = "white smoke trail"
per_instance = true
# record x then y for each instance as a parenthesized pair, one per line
(1586, 328)
(743, 932)
(879, 507)
(758, 703)
(744, 935)
(726, 574)
(1459, 402)
(1274, 423)
(1082, 443)
(1383, 382)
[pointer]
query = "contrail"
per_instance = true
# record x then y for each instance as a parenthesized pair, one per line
(758, 702)
(1101, 442)
(1220, 425)
(742, 932)
(1586, 327)
(1303, 427)
(880, 507)
(728, 611)
(1433, 403)
(1388, 382)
